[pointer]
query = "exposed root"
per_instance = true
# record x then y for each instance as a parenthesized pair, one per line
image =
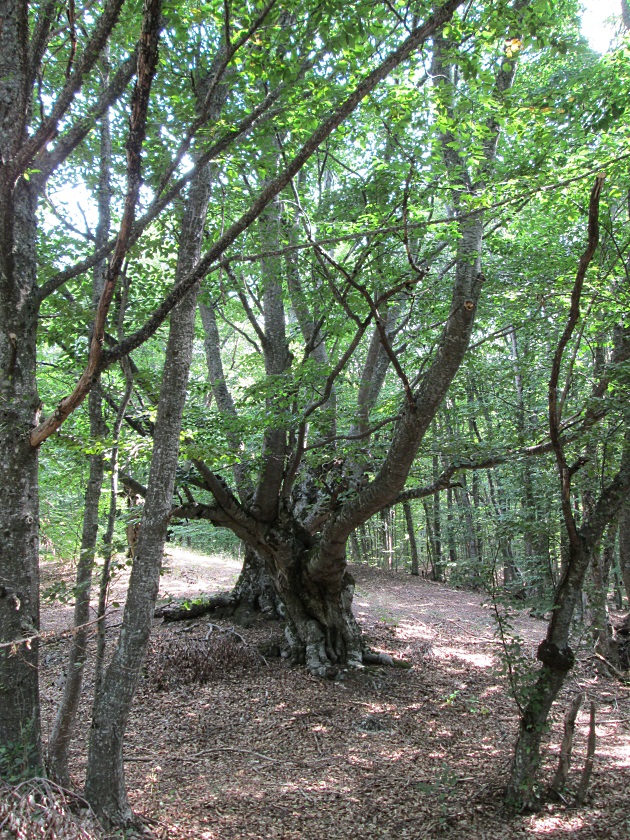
(371, 658)
(186, 609)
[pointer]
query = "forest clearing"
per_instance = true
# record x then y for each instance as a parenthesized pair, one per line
(314, 417)
(263, 750)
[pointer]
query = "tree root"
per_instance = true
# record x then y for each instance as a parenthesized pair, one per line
(185, 610)
(371, 658)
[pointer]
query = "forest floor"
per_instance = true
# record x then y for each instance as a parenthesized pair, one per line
(263, 750)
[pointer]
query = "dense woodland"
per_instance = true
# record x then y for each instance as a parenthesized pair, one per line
(308, 283)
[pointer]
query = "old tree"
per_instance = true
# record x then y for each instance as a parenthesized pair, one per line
(324, 202)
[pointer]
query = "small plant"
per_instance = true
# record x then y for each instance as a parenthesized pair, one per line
(514, 663)
(15, 759)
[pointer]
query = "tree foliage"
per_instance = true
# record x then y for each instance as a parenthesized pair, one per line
(397, 201)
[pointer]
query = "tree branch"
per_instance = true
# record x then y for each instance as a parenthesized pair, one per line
(47, 130)
(48, 160)
(574, 314)
(147, 64)
(101, 360)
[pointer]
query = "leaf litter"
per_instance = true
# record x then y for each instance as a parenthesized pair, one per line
(227, 742)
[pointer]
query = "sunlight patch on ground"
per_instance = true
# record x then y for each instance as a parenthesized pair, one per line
(415, 630)
(479, 660)
(492, 689)
(187, 572)
(619, 754)
(177, 556)
(549, 825)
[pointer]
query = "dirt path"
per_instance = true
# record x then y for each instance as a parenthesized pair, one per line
(261, 750)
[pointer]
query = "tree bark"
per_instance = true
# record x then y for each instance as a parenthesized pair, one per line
(320, 628)
(105, 780)
(597, 594)
(19, 408)
(59, 742)
(554, 651)
(624, 547)
(19, 501)
(413, 545)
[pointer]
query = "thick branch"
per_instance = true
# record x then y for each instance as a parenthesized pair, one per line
(147, 63)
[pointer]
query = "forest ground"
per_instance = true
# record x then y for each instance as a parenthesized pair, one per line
(263, 750)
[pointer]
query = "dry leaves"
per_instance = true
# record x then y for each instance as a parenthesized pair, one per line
(256, 749)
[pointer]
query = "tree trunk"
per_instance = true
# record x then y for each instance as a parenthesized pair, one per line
(557, 660)
(105, 781)
(62, 730)
(355, 548)
(413, 545)
(472, 572)
(601, 626)
(437, 527)
(320, 628)
(554, 652)
(254, 590)
(452, 544)
(624, 547)
(19, 407)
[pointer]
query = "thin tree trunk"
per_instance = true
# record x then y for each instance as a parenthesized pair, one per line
(413, 545)
(452, 543)
(554, 652)
(108, 537)
(62, 729)
(472, 573)
(597, 592)
(105, 781)
(566, 747)
(437, 527)
(354, 545)
(624, 547)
